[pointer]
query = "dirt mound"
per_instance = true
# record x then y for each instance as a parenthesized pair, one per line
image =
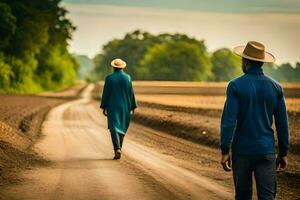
(21, 117)
(12, 160)
(202, 129)
(198, 125)
(13, 137)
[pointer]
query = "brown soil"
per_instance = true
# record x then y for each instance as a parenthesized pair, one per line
(21, 117)
(205, 161)
(79, 147)
(202, 126)
(292, 90)
(197, 124)
(76, 140)
(12, 160)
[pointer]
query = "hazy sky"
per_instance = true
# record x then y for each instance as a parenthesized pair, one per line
(276, 23)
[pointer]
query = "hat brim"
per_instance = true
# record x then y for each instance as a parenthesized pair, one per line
(239, 50)
(118, 66)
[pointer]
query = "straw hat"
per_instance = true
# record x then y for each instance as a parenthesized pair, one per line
(118, 63)
(254, 51)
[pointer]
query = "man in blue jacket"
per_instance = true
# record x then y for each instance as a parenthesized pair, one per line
(118, 103)
(246, 126)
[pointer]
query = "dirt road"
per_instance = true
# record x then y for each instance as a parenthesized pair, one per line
(79, 147)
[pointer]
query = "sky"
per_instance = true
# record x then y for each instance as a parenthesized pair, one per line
(221, 23)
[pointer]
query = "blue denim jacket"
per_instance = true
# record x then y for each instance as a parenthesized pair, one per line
(246, 126)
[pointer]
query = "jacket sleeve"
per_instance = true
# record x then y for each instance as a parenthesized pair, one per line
(281, 123)
(105, 94)
(132, 98)
(229, 118)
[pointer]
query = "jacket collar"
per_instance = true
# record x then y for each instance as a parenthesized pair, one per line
(118, 71)
(253, 70)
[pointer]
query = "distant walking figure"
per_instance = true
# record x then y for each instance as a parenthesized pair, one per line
(246, 126)
(118, 103)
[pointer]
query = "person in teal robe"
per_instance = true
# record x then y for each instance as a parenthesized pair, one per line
(118, 103)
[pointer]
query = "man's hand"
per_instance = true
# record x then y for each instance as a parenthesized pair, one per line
(281, 163)
(104, 112)
(226, 162)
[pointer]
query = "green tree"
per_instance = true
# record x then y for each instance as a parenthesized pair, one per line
(102, 68)
(225, 65)
(284, 72)
(6, 74)
(136, 45)
(86, 67)
(34, 40)
(176, 60)
(131, 48)
(7, 25)
(177, 57)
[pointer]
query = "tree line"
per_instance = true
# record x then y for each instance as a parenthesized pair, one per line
(33, 47)
(177, 57)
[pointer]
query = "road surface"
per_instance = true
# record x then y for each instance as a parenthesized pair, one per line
(76, 141)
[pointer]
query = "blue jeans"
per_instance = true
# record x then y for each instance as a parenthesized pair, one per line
(117, 140)
(264, 169)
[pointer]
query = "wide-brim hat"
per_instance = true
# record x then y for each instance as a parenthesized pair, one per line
(118, 63)
(254, 51)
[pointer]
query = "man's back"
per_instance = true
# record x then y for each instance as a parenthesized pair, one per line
(252, 100)
(120, 89)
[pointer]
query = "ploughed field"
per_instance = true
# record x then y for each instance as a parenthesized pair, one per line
(200, 95)
(196, 108)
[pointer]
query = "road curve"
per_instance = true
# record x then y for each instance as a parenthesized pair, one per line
(78, 144)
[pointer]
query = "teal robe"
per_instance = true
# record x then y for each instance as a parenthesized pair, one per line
(119, 100)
